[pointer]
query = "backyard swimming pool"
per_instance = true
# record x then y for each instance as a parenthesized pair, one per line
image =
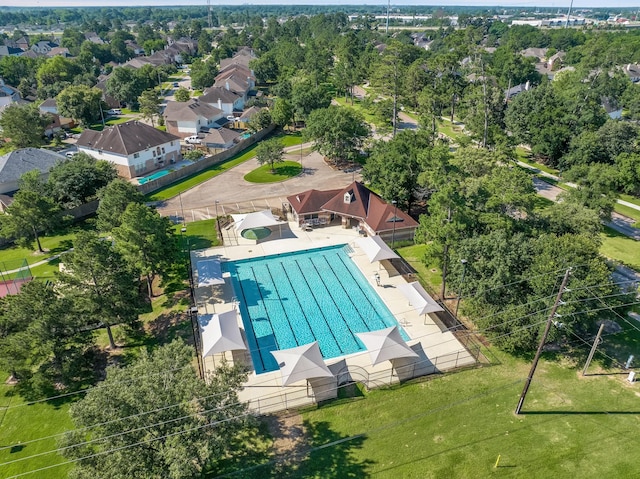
(154, 176)
(291, 299)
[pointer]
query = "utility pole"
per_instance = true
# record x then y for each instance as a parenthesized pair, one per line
(209, 19)
(386, 30)
(543, 340)
(593, 349)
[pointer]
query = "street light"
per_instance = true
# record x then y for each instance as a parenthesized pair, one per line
(181, 208)
(217, 219)
(464, 270)
(393, 234)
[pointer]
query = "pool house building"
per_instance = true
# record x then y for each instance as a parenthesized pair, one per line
(356, 207)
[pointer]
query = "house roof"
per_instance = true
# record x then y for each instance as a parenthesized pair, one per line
(31, 54)
(64, 51)
(49, 103)
(220, 136)
(240, 71)
(17, 162)
(125, 138)
(248, 113)
(310, 201)
(233, 83)
(540, 53)
(5, 51)
(366, 206)
(190, 110)
(211, 95)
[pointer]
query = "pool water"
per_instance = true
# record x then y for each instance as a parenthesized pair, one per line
(292, 299)
(244, 136)
(154, 176)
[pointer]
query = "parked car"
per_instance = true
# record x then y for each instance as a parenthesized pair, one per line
(193, 140)
(114, 111)
(70, 154)
(175, 84)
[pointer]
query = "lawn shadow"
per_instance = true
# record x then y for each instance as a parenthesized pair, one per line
(327, 454)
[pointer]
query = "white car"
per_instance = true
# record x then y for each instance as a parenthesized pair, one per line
(114, 111)
(194, 140)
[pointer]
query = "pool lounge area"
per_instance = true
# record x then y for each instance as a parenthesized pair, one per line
(275, 307)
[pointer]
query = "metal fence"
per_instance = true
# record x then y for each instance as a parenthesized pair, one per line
(302, 396)
(13, 274)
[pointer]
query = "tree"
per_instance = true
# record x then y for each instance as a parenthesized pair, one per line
(42, 340)
(306, 97)
(57, 70)
(270, 152)
(628, 166)
(282, 112)
(260, 120)
(100, 283)
(23, 125)
(29, 215)
(156, 414)
(394, 167)
(182, 94)
(114, 199)
(338, 133)
(149, 104)
(77, 180)
(203, 73)
(124, 85)
(80, 103)
(389, 75)
(145, 239)
(595, 190)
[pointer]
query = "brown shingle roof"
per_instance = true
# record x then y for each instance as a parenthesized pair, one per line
(220, 136)
(212, 94)
(125, 138)
(310, 201)
(190, 110)
(357, 207)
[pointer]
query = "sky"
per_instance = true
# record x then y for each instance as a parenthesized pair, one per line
(506, 3)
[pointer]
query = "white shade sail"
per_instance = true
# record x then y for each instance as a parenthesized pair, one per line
(385, 345)
(220, 333)
(375, 248)
(255, 220)
(302, 362)
(421, 301)
(209, 272)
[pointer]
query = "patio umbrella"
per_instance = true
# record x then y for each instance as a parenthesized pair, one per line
(421, 301)
(220, 333)
(302, 362)
(375, 248)
(385, 345)
(255, 220)
(209, 272)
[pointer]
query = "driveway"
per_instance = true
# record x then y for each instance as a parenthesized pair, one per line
(234, 193)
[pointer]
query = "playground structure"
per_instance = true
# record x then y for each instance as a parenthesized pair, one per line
(13, 274)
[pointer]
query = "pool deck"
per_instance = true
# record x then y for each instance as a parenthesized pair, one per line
(439, 350)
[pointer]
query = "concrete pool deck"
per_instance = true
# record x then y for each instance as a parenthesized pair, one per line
(438, 349)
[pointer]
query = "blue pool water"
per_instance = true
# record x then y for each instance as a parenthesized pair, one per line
(292, 299)
(154, 176)
(244, 136)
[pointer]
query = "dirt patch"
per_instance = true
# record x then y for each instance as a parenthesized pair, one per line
(289, 434)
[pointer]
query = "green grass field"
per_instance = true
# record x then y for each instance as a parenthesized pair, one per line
(369, 116)
(281, 172)
(627, 211)
(620, 248)
(21, 423)
(458, 425)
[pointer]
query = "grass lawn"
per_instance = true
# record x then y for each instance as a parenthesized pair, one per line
(630, 199)
(627, 211)
(281, 171)
(199, 234)
(291, 138)
(620, 248)
(202, 176)
(369, 117)
(413, 255)
(26, 423)
(458, 425)
(452, 131)
(525, 156)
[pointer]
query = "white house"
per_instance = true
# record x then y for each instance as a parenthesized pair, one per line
(223, 99)
(134, 148)
(188, 118)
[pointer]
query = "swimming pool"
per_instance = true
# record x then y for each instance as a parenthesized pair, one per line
(291, 299)
(154, 176)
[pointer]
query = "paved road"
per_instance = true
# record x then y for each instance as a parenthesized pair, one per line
(231, 189)
(619, 223)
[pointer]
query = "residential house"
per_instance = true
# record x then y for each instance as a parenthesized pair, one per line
(93, 38)
(18, 162)
(12, 94)
(539, 54)
(633, 72)
(137, 49)
(23, 44)
(43, 47)
(613, 110)
(108, 99)
(515, 90)
(245, 118)
(220, 138)
(31, 54)
(223, 99)
(555, 60)
(50, 107)
(59, 52)
(357, 207)
(422, 40)
(189, 118)
(135, 148)
(6, 51)
(242, 57)
(238, 79)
